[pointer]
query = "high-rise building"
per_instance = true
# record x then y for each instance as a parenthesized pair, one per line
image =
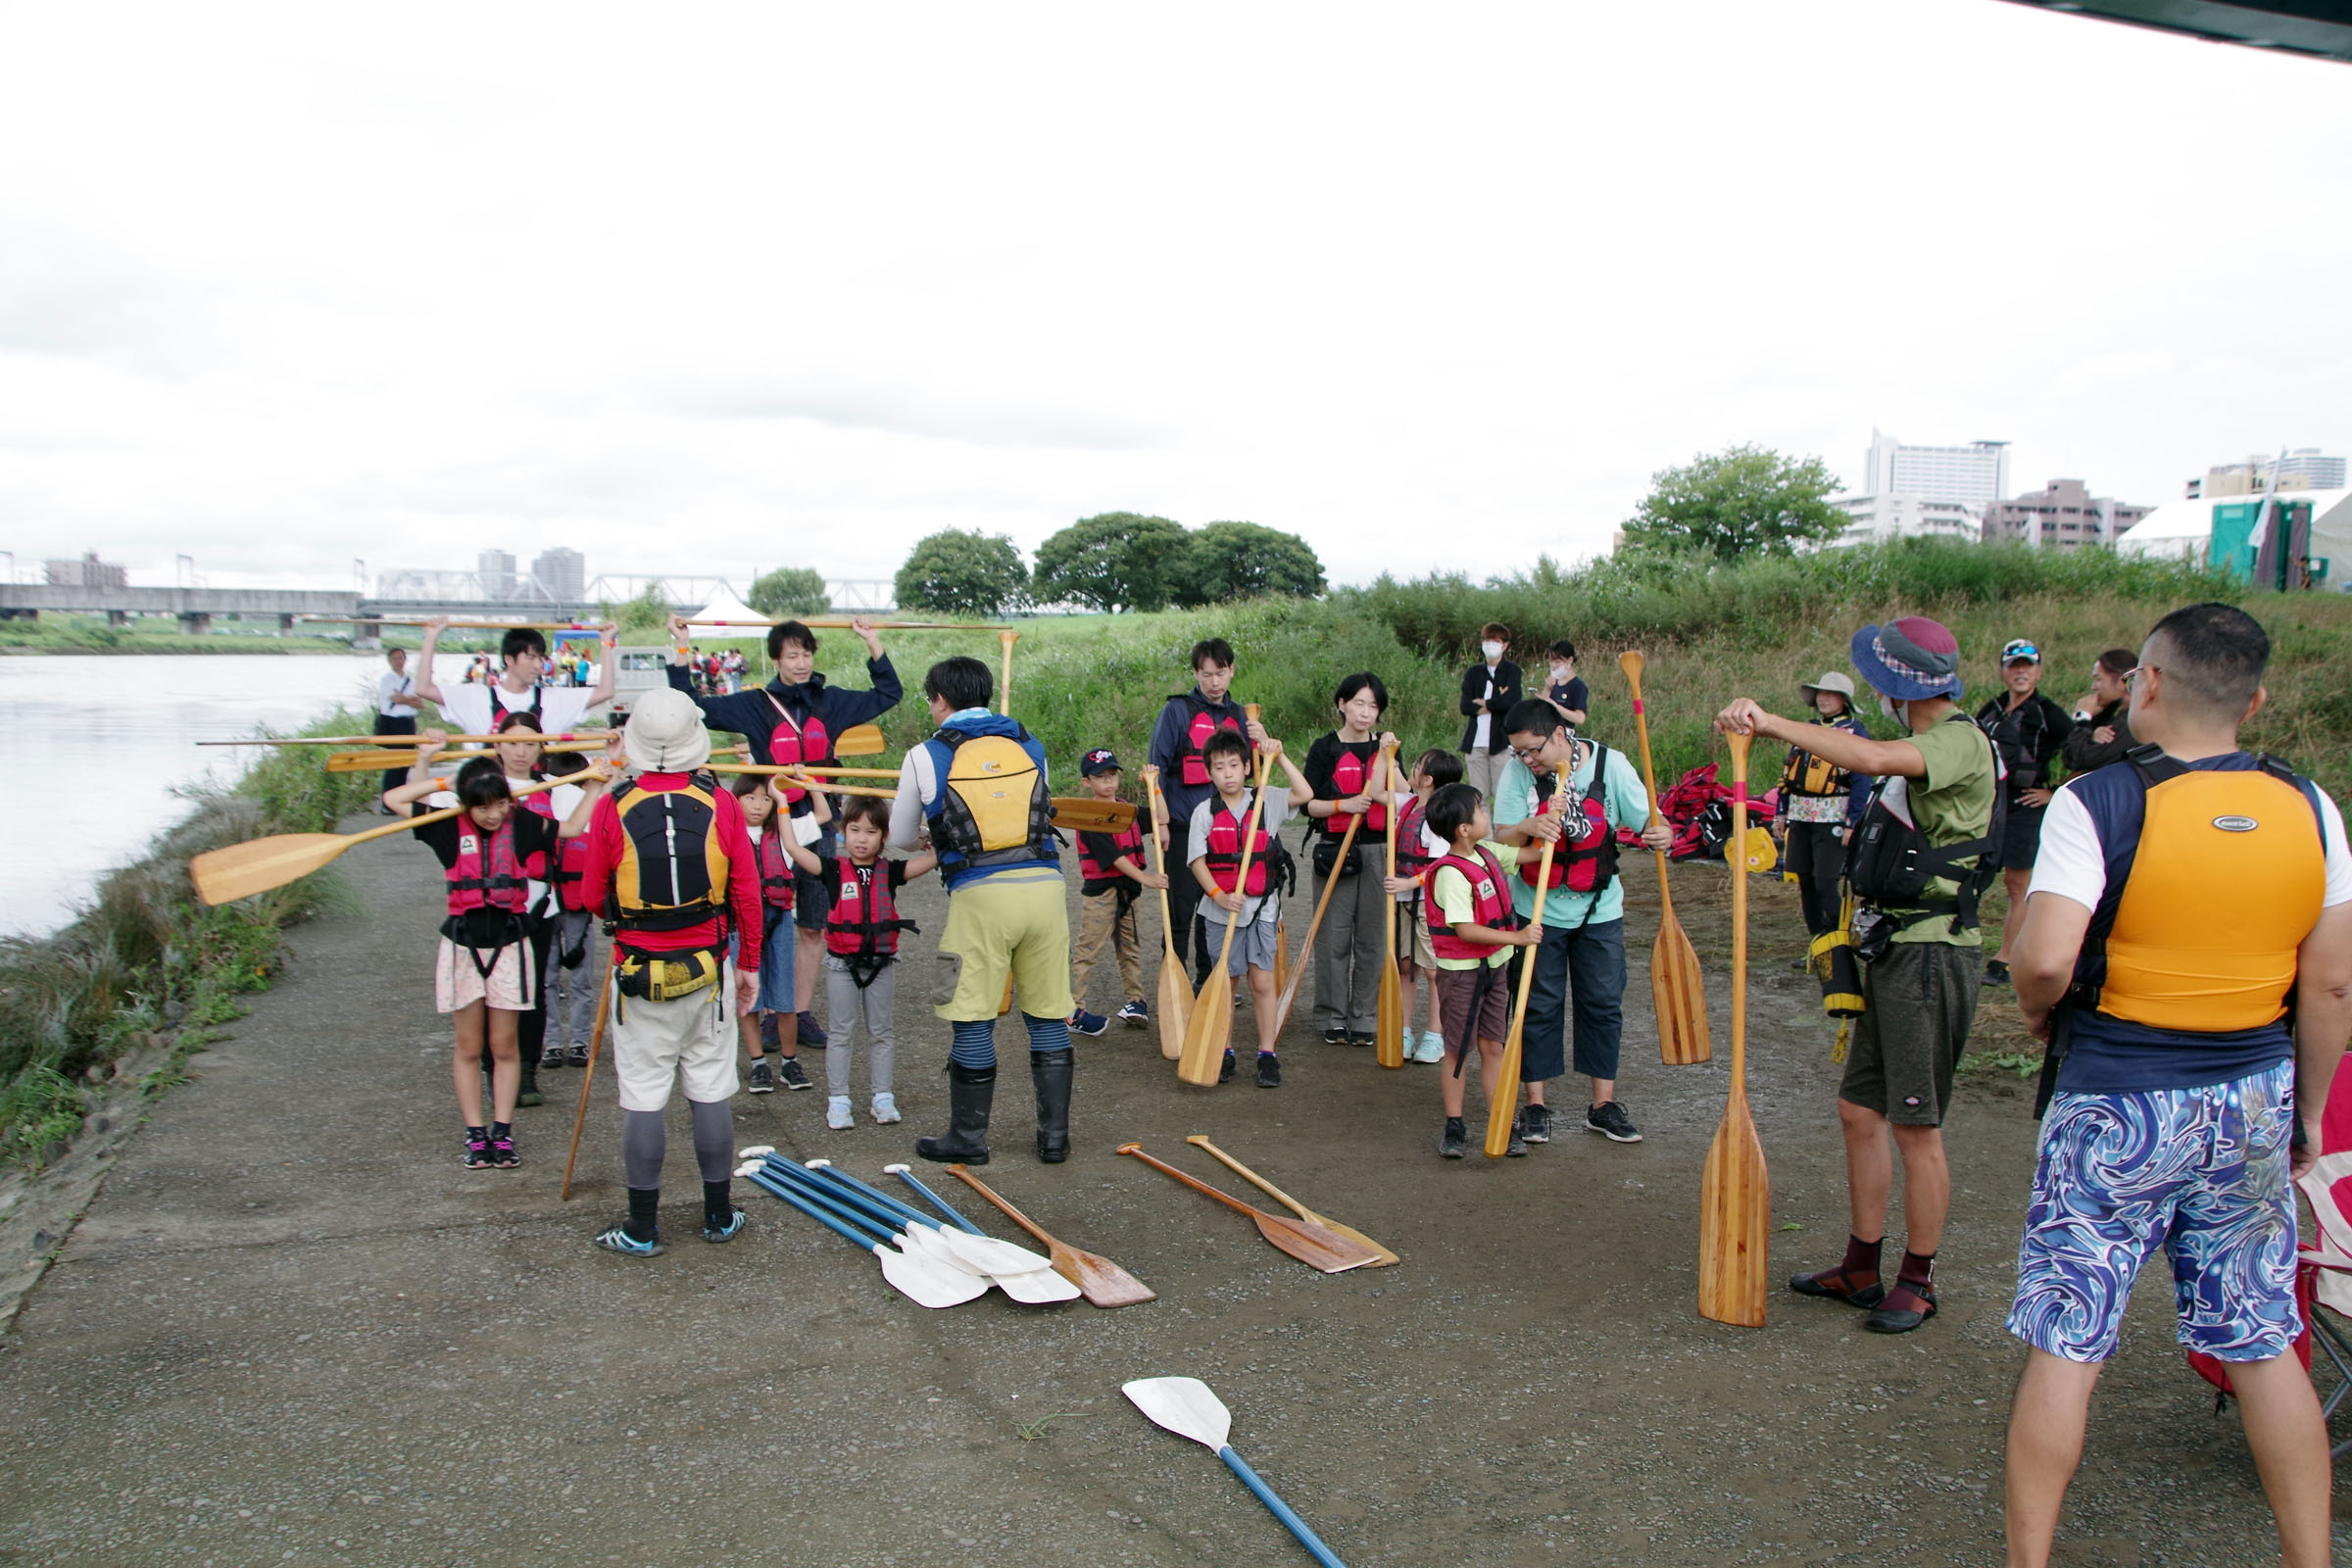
(1976, 475)
(561, 574)
(2062, 515)
(496, 569)
(2303, 468)
(1906, 518)
(87, 573)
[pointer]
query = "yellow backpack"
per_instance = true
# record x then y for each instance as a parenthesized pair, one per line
(991, 807)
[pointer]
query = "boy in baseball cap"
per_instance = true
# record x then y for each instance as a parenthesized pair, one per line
(1111, 877)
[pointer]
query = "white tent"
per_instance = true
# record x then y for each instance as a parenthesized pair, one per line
(2185, 529)
(726, 607)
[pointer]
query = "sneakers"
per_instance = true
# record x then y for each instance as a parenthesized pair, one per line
(737, 1219)
(1135, 1014)
(790, 1074)
(761, 1080)
(1996, 973)
(809, 1033)
(501, 1151)
(1360, 1037)
(1516, 1149)
(529, 1095)
(1534, 1123)
(477, 1148)
(1269, 1070)
(615, 1238)
(885, 1109)
(1433, 1046)
(1453, 1142)
(1335, 1036)
(1225, 1069)
(1611, 1122)
(552, 1059)
(1083, 1022)
(837, 1113)
(579, 1053)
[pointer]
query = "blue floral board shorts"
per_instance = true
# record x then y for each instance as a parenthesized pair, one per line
(2201, 1174)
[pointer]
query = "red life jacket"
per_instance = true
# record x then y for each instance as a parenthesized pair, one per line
(865, 922)
(488, 875)
(1129, 843)
(1490, 905)
(1412, 858)
(1351, 775)
(1192, 765)
(789, 742)
(571, 867)
(775, 866)
(1585, 861)
(497, 713)
(534, 867)
(1225, 851)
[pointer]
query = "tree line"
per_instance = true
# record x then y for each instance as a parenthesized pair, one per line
(1114, 561)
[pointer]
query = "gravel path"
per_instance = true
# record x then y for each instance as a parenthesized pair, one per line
(291, 1329)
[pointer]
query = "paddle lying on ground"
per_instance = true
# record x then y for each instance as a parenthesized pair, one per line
(1211, 1023)
(1101, 1282)
(1046, 1282)
(1175, 981)
(1290, 993)
(240, 870)
(1503, 1108)
(1305, 1213)
(1388, 1044)
(597, 736)
(921, 1280)
(1735, 1194)
(596, 1047)
(1019, 1273)
(1677, 989)
(1187, 1407)
(1311, 1244)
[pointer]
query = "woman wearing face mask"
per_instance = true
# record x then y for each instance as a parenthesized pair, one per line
(1489, 689)
(1566, 691)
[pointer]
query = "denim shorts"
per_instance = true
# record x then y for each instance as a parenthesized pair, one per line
(2201, 1174)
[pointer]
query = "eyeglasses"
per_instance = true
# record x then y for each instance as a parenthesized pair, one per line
(1528, 753)
(2131, 678)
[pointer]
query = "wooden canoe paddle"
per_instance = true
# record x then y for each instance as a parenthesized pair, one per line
(1212, 1026)
(1678, 991)
(833, 623)
(1290, 993)
(1735, 1194)
(596, 1046)
(1311, 1244)
(598, 736)
(1387, 1044)
(1503, 1108)
(240, 870)
(1305, 1213)
(1175, 981)
(1099, 1280)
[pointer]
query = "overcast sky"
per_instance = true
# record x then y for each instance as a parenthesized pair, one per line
(704, 288)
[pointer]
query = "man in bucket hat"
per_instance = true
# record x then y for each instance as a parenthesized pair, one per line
(1921, 975)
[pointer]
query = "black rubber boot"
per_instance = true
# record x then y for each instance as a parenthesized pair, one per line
(971, 1091)
(528, 1094)
(1050, 1070)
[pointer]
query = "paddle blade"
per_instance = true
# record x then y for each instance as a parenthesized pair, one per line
(1314, 1244)
(1175, 1006)
(1678, 992)
(1206, 1034)
(861, 739)
(1505, 1105)
(1036, 1288)
(1084, 814)
(1100, 1281)
(1388, 1040)
(928, 1284)
(1734, 1213)
(1185, 1406)
(381, 759)
(240, 870)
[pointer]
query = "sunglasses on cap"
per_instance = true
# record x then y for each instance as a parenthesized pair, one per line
(2021, 652)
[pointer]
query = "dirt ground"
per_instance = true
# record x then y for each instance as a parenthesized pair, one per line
(292, 1328)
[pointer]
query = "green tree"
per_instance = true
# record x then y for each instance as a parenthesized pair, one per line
(1244, 560)
(963, 573)
(1741, 502)
(644, 619)
(790, 590)
(1111, 561)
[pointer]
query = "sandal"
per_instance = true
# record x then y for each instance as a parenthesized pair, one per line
(1835, 1284)
(1909, 1305)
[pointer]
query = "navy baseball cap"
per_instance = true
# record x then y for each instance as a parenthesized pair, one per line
(1101, 759)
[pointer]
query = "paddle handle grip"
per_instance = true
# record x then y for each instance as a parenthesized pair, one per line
(938, 1203)
(1196, 1185)
(763, 1180)
(1280, 1509)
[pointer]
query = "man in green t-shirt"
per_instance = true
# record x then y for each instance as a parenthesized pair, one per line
(1921, 992)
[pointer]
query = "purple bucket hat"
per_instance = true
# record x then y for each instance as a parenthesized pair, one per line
(1909, 660)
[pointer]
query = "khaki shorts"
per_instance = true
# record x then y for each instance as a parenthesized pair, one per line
(1015, 923)
(689, 1040)
(1412, 934)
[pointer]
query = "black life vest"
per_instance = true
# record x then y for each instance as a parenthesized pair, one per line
(1892, 862)
(1191, 763)
(672, 873)
(864, 925)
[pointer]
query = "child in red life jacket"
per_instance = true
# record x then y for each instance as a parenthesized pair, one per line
(1472, 930)
(1416, 848)
(1111, 877)
(861, 946)
(768, 821)
(482, 972)
(1213, 850)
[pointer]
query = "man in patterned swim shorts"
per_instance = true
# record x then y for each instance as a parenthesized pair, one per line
(2188, 947)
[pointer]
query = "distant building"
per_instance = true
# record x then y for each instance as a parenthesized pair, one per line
(1906, 518)
(2062, 515)
(2303, 468)
(563, 574)
(1976, 475)
(496, 569)
(87, 573)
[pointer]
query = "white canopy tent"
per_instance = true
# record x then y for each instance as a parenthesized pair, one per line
(726, 607)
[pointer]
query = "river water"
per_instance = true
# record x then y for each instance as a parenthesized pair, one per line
(99, 742)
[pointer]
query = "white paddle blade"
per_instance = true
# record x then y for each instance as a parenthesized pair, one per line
(1185, 1406)
(925, 1283)
(1036, 1286)
(988, 1256)
(926, 1241)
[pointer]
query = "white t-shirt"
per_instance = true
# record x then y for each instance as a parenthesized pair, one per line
(2073, 864)
(389, 685)
(468, 708)
(1485, 722)
(1263, 907)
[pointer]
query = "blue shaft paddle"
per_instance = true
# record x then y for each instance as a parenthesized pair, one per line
(1187, 1407)
(905, 1173)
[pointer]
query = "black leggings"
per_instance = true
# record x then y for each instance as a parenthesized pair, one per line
(530, 1029)
(1818, 859)
(1184, 902)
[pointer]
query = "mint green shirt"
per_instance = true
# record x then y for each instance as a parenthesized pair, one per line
(1626, 804)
